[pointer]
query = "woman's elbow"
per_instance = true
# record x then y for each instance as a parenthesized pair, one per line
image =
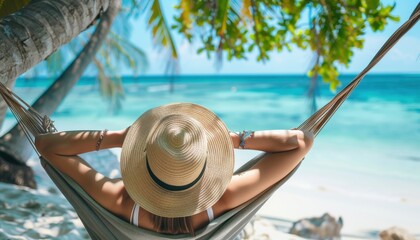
(42, 144)
(305, 140)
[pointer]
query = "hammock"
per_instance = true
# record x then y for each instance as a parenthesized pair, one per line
(102, 224)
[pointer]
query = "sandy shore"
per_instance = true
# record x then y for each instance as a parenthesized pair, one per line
(365, 214)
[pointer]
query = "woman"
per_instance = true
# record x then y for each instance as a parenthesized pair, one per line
(176, 165)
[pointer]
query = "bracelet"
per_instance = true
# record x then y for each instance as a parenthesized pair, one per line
(101, 137)
(243, 136)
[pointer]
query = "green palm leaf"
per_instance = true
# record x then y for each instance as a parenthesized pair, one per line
(161, 33)
(222, 15)
(126, 52)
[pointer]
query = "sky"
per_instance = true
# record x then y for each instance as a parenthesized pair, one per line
(403, 58)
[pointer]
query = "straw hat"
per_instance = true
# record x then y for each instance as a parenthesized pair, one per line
(177, 160)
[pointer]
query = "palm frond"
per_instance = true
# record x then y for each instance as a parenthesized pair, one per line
(256, 17)
(220, 21)
(161, 34)
(186, 6)
(246, 10)
(55, 63)
(130, 54)
(222, 15)
(110, 87)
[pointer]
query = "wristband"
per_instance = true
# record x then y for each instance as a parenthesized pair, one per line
(101, 137)
(244, 135)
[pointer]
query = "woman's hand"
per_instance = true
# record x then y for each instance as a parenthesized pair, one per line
(120, 136)
(114, 139)
(124, 132)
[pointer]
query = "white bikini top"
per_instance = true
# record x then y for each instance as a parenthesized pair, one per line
(134, 218)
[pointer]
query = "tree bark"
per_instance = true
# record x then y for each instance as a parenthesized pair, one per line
(3, 105)
(34, 32)
(14, 144)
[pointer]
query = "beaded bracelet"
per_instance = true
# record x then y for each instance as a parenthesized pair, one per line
(243, 136)
(101, 137)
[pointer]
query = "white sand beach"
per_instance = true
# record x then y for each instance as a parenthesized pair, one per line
(365, 214)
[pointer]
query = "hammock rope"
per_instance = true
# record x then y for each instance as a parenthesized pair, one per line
(101, 224)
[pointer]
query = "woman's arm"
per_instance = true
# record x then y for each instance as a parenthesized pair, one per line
(61, 149)
(284, 151)
(77, 142)
(270, 140)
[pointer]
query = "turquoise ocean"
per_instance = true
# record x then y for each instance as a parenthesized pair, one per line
(369, 149)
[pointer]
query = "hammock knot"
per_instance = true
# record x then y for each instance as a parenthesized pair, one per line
(47, 125)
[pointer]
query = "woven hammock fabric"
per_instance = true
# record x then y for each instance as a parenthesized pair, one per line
(101, 224)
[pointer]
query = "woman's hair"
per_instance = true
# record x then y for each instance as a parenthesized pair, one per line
(173, 225)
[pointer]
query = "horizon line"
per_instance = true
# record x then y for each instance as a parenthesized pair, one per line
(235, 75)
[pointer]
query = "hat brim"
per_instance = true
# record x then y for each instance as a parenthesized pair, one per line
(205, 193)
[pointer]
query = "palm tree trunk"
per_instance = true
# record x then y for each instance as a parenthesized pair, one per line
(3, 105)
(14, 148)
(34, 32)
(37, 30)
